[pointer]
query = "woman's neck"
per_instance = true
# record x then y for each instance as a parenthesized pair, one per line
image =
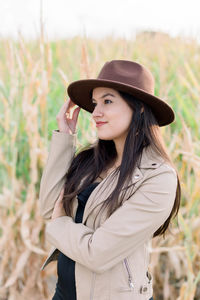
(119, 145)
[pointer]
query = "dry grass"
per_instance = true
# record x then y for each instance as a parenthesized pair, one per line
(32, 88)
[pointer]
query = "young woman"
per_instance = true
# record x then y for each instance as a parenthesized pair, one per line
(109, 200)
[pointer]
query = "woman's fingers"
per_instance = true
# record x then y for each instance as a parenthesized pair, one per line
(63, 110)
(69, 106)
(76, 113)
(67, 119)
(71, 103)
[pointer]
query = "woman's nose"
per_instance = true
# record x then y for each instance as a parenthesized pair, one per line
(97, 112)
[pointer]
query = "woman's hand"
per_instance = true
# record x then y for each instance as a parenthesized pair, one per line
(58, 210)
(65, 122)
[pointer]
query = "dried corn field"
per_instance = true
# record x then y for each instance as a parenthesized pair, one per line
(33, 80)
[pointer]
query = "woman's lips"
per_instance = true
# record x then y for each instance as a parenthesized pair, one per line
(98, 124)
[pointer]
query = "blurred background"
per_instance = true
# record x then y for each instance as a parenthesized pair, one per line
(44, 45)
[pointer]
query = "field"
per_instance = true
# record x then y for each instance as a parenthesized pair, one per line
(33, 79)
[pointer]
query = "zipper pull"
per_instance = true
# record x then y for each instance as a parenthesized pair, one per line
(131, 284)
(149, 276)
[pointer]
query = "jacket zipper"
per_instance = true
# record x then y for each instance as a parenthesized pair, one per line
(92, 287)
(130, 278)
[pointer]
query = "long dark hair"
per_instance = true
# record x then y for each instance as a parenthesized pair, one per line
(88, 164)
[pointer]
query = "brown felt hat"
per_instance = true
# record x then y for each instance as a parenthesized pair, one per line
(126, 76)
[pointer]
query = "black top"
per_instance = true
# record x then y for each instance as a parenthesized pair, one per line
(65, 287)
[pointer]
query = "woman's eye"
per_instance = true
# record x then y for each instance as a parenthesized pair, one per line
(106, 101)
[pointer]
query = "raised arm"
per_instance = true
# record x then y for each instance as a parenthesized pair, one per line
(62, 149)
(61, 152)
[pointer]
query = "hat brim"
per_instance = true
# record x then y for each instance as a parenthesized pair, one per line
(80, 93)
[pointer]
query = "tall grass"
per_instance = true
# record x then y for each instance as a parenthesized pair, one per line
(33, 81)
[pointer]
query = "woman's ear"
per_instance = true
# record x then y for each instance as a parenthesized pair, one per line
(142, 109)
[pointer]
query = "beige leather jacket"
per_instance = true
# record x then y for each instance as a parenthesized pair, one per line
(112, 257)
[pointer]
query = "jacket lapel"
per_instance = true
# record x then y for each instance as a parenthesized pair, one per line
(105, 188)
(149, 159)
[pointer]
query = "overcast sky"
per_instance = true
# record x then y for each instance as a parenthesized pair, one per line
(63, 18)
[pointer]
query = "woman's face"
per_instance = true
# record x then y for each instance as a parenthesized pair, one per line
(113, 111)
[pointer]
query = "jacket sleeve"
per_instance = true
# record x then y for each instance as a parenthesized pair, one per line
(62, 148)
(130, 226)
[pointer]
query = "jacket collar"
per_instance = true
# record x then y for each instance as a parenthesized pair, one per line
(150, 159)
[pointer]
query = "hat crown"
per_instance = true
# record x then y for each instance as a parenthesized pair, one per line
(129, 73)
